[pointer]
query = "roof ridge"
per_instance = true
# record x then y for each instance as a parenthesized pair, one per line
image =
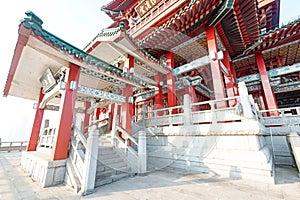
(35, 23)
(282, 27)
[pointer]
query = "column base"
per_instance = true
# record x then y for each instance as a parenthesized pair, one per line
(40, 168)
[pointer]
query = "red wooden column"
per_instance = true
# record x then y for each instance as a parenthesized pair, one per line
(229, 79)
(66, 112)
(235, 85)
(171, 85)
(98, 112)
(111, 115)
(158, 101)
(215, 66)
(38, 119)
(86, 120)
(127, 107)
(269, 96)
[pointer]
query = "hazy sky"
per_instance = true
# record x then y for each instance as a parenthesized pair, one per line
(75, 21)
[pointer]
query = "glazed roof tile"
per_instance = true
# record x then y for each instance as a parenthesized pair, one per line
(35, 23)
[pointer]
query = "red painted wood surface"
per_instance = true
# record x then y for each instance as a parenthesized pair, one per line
(269, 96)
(171, 80)
(36, 128)
(68, 99)
(216, 73)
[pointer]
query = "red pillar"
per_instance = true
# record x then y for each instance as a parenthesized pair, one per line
(215, 66)
(229, 79)
(38, 119)
(86, 120)
(267, 89)
(111, 115)
(158, 101)
(127, 107)
(171, 85)
(98, 111)
(66, 112)
(235, 85)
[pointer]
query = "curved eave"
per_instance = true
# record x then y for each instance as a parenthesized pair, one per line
(119, 43)
(188, 20)
(37, 49)
(280, 35)
(240, 26)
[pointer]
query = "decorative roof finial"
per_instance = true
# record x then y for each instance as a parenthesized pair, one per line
(33, 18)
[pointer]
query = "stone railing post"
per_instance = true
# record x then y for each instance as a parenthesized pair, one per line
(115, 122)
(142, 153)
(245, 101)
(187, 114)
(90, 161)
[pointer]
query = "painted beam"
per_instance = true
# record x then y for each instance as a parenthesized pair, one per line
(192, 65)
(287, 87)
(224, 69)
(97, 105)
(274, 72)
(100, 94)
(144, 78)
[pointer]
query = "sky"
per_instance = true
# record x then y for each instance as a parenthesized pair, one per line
(75, 21)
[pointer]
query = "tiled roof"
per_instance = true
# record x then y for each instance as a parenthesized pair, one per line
(35, 23)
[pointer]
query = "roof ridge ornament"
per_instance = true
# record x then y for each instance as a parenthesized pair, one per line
(33, 19)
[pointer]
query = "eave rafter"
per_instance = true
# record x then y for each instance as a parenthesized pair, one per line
(186, 21)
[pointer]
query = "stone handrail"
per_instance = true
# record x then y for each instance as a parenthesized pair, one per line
(158, 112)
(99, 123)
(84, 155)
(126, 141)
(282, 111)
(286, 116)
(13, 146)
(80, 138)
(137, 157)
(213, 103)
(188, 114)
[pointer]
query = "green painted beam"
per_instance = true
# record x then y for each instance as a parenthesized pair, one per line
(271, 73)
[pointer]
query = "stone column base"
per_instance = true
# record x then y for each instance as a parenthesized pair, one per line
(42, 169)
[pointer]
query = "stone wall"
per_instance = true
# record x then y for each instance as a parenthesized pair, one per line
(38, 166)
(232, 156)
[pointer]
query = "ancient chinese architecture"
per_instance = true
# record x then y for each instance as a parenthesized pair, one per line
(202, 85)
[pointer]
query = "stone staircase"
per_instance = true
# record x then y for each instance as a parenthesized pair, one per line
(110, 167)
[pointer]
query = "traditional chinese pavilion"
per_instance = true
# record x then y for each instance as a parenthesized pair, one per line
(202, 85)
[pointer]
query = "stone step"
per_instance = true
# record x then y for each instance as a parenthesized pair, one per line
(110, 172)
(105, 144)
(108, 156)
(110, 161)
(100, 182)
(116, 166)
(106, 151)
(108, 180)
(106, 136)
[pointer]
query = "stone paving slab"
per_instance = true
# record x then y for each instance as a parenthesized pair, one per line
(16, 184)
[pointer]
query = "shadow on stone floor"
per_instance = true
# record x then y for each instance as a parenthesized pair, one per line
(285, 174)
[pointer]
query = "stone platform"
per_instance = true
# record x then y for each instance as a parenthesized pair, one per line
(15, 184)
